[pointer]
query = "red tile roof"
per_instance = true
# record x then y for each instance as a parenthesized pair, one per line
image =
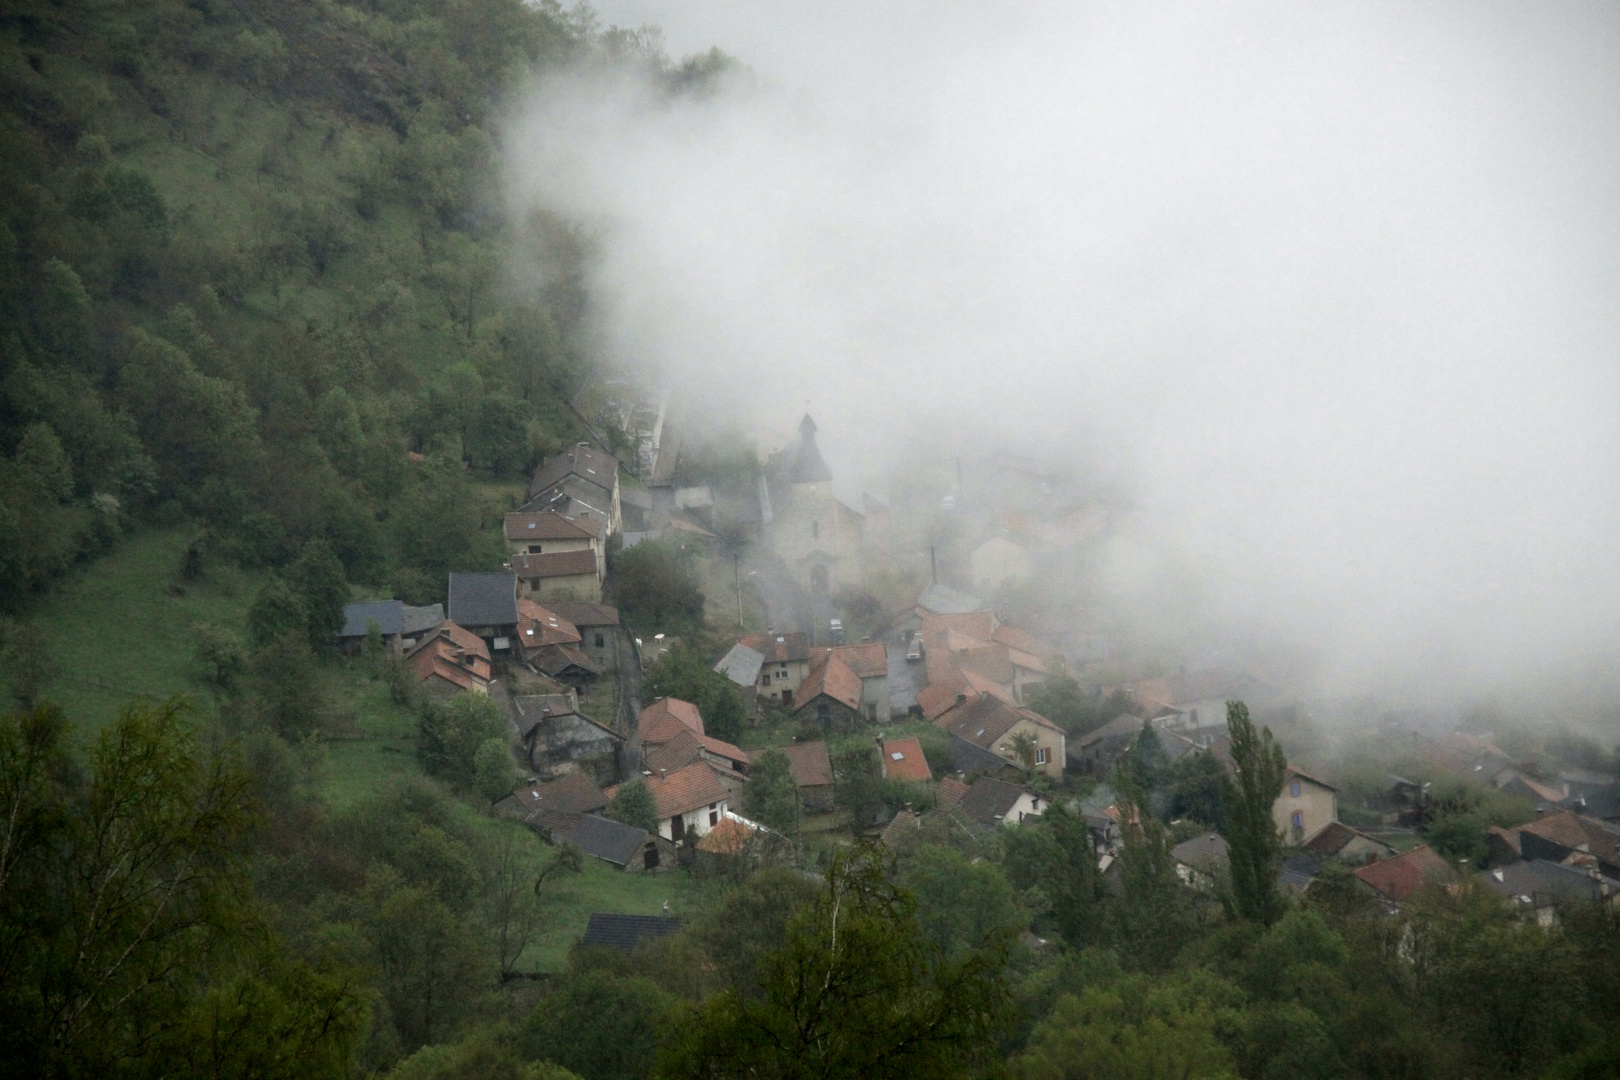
(833, 678)
(950, 791)
(1303, 775)
(730, 837)
(674, 755)
(1400, 877)
(1574, 831)
(870, 661)
(451, 653)
(721, 748)
(666, 718)
(554, 564)
(545, 525)
(686, 789)
(583, 614)
(538, 627)
(575, 792)
(936, 698)
(974, 624)
(808, 761)
(779, 648)
(1023, 641)
(981, 721)
(903, 760)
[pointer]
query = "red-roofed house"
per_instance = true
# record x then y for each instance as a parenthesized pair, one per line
(1398, 878)
(831, 696)
(449, 660)
(689, 801)
(903, 759)
(812, 772)
(989, 723)
(666, 718)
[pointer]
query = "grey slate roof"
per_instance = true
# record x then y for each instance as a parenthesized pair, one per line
(1298, 871)
(417, 620)
(969, 759)
(388, 614)
(627, 931)
(741, 665)
(1206, 853)
(611, 841)
(483, 599)
(1543, 880)
(988, 800)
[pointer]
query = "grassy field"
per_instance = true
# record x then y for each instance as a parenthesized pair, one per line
(120, 628)
(598, 887)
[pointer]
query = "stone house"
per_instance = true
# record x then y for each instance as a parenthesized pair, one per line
(584, 475)
(558, 739)
(449, 660)
(785, 664)
(401, 625)
(548, 532)
(830, 697)
(558, 575)
(1017, 736)
(486, 605)
(870, 663)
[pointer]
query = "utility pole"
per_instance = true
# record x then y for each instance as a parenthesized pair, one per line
(736, 577)
(933, 567)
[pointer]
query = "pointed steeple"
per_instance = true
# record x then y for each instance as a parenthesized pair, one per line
(809, 467)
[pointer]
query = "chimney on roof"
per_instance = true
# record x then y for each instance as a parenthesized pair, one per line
(960, 697)
(663, 774)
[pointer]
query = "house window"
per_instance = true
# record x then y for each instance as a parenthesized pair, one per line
(714, 819)
(765, 679)
(600, 641)
(1294, 791)
(1297, 820)
(1040, 755)
(535, 549)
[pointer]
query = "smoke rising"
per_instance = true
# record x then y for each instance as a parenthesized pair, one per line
(1330, 293)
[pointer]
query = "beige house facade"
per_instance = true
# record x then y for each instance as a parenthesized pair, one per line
(1305, 807)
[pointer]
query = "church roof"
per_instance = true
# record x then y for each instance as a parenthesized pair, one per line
(809, 466)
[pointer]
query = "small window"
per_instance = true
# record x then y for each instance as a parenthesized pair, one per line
(1040, 755)
(714, 819)
(765, 679)
(1294, 791)
(1298, 820)
(600, 641)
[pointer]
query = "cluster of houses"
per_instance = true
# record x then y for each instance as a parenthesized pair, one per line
(536, 636)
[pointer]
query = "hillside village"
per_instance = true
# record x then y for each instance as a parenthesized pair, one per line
(938, 712)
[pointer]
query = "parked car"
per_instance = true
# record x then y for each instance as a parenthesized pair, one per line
(914, 651)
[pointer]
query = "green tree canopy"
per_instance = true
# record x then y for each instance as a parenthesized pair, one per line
(1255, 847)
(771, 797)
(855, 991)
(633, 804)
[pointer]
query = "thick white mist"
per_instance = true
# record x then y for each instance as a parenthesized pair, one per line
(1332, 293)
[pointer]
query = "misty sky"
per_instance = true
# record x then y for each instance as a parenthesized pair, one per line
(1333, 292)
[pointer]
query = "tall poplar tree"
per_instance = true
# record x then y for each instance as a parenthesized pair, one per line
(1258, 769)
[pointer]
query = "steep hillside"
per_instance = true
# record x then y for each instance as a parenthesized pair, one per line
(251, 258)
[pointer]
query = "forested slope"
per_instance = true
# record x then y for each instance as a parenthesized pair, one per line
(252, 255)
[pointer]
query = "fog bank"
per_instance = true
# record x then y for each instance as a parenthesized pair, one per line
(1329, 293)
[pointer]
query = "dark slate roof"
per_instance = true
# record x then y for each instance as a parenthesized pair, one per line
(611, 841)
(627, 931)
(1207, 852)
(388, 614)
(416, 620)
(578, 461)
(1544, 880)
(1298, 872)
(988, 800)
(483, 599)
(969, 759)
